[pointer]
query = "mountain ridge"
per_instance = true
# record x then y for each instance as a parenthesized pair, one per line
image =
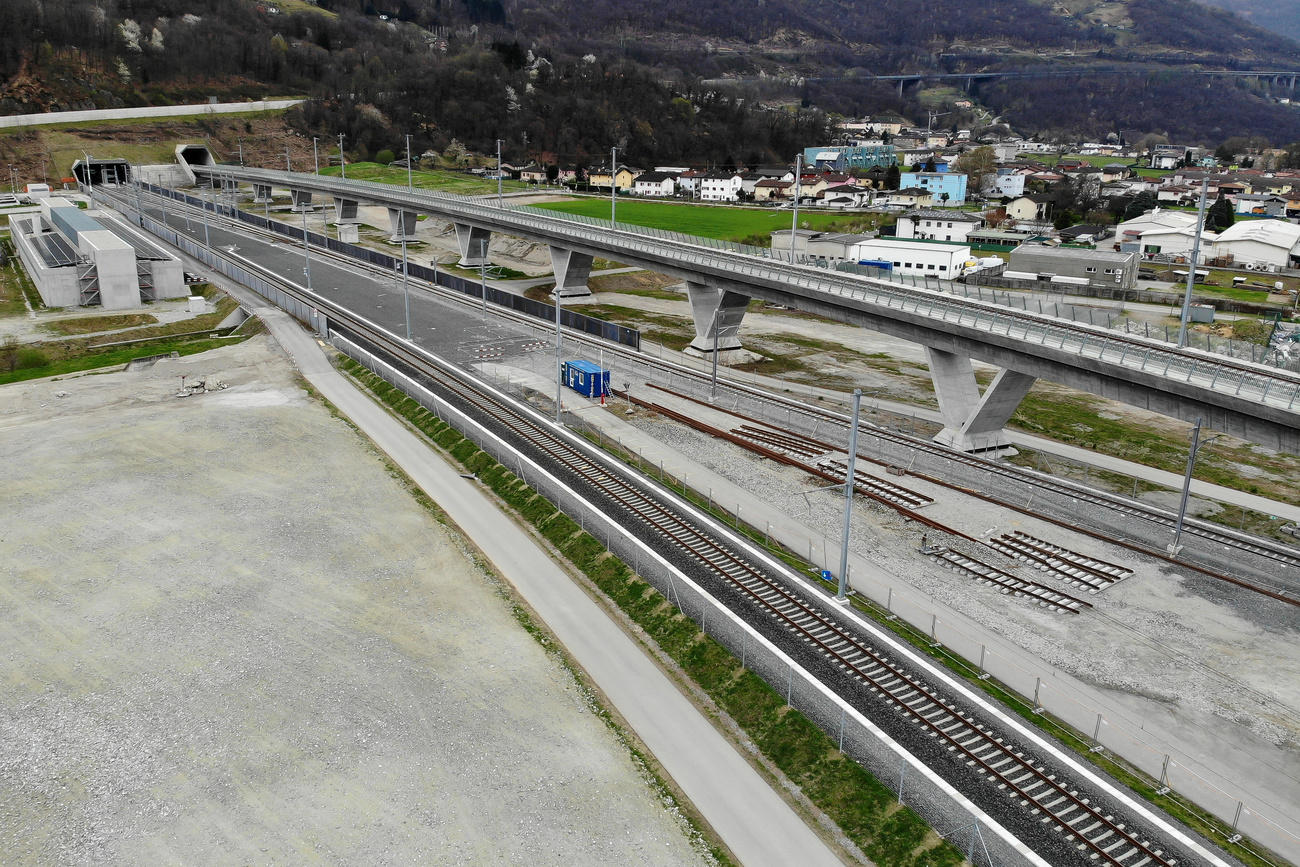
(570, 79)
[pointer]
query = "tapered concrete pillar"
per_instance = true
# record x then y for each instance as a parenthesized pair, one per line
(473, 244)
(973, 422)
(345, 211)
(261, 193)
(402, 224)
(729, 308)
(301, 200)
(571, 272)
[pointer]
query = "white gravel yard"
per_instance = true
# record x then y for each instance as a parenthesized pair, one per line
(229, 635)
(1170, 648)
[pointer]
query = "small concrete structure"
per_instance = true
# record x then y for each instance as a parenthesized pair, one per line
(973, 422)
(572, 269)
(473, 243)
(345, 211)
(301, 200)
(262, 193)
(190, 155)
(716, 313)
(402, 223)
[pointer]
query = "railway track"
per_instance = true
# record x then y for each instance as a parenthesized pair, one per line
(1025, 781)
(1030, 789)
(1273, 552)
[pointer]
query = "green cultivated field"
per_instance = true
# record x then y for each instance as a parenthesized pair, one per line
(708, 221)
(446, 182)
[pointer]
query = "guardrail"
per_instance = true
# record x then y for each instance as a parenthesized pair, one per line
(611, 331)
(1124, 353)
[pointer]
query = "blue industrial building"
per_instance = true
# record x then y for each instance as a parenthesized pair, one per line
(841, 158)
(585, 378)
(947, 188)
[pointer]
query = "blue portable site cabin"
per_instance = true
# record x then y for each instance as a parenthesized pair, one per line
(585, 378)
(882, 264)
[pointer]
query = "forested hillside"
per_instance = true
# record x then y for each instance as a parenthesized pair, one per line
(669, 81)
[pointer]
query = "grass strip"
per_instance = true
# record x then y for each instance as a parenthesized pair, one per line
(863, 807)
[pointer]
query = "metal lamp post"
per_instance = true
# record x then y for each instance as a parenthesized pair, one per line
(241, 151)
(848, 497)
(559, 379)
(288, 167)
(315, 154)
(306, 251)
(406, 288)
(613, 185)
(482, 272)
(798, 190)
(1191, 269)
(1195, 449)
(713, 384)
(498, 173)
(410, 184)
(343, 163)
(207, 240)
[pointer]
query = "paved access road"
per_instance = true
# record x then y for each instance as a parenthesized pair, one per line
(750, 818)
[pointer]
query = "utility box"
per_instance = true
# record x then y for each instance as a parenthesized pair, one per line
(1201, 313)
(585, 378)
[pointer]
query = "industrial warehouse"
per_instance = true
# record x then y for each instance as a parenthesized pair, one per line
(79, 260)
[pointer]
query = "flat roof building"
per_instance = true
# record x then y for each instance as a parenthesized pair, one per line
(915, 258)
(1068, 265)
(77, 260)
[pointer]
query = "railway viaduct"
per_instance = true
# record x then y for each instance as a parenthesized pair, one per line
(1254, 402)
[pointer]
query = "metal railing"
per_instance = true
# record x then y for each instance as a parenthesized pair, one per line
(1125, 354)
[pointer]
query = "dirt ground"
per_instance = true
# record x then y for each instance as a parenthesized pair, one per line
(229, 634)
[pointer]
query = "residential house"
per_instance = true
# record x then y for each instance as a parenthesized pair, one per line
(937, 225)
(1263, 205)
(689, 181)
(882, 125)
(1006, 182)
(771, 189)
(568, 174)
(911, 197)
(1167, 157)
(1112, 172)
(1274, 243)
(748, 181)
(845, 196)
(1034, 208)
(720, 186)
(533, 174)
(1177, 194)
(657, 184)
(624, 177)
(946, 187)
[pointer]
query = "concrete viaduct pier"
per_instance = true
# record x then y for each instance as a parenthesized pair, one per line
(1253, 402)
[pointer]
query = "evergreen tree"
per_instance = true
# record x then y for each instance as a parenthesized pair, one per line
(891, 177)
(1220, 215)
